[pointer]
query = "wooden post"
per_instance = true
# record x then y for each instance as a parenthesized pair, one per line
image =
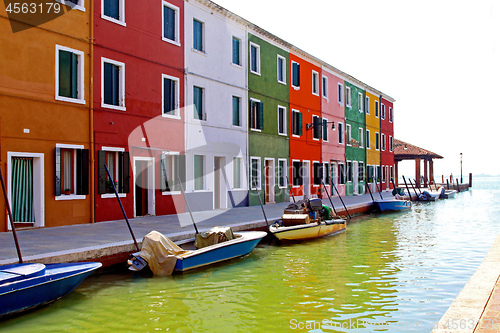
(458, 186)
(470, 179)
(417, 171)
(425, 173)
(447, 184)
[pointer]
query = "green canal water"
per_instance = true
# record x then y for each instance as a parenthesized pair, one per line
(395, 272)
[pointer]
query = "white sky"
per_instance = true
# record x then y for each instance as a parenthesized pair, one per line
(439, 59)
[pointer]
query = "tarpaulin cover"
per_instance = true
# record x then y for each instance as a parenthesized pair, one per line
(215, 235)
(160, 253)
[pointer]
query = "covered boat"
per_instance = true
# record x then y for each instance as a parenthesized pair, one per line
(219, 244)
(26, 286)
(307, 220)
(392, 204)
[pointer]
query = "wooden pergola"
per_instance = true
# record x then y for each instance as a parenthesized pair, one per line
(406, 151)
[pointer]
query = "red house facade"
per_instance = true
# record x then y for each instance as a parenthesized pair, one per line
(386, 142)
(138, 118)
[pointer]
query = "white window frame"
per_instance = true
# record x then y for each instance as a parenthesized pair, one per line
(291, 72)
(323, 130)
(285, 172)
(382, 111)
(348, 98)
(116, 150)
(390, 115)
(71, 196)
(315, 83)
(377, 134)
(257, 46)
(121, 93)
(283, 68)
(177, 40)
(203, 45)
(284, 120)
(240, 54)
(377, 109)
(259, 176)
(320, 167)
(340, 92)
(383, 144)
(361, 134)
(79, 6)
(299, 173)
(350, 134)
(361, 103)
(111, 19)
(80, 79)
(341, 135)
(177, 96)
(204, 176)
(368, 138)
(367, 106)
(321, 124)
(169, 153)
(324, 86)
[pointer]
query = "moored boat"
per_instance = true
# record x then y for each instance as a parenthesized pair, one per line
(392, 205)
(26, 286)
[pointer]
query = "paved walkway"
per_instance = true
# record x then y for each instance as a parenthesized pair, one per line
(104, 239)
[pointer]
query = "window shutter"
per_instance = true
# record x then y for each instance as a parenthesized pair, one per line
(65, 73)
(261, 115)
(102, 177)
(325, 129)
(115, 78)
(300, 124)
(124, 166)
(250, 114)
(108, 90)
(82, 171)
(180, 165)
(163, 171)
(74, 75)
(58, 172)
(301, 180)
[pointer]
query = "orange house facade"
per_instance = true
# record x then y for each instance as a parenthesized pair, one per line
(306, 127)
(45, 119)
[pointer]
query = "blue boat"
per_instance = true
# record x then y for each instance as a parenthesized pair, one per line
(26, 286)
(392, 205)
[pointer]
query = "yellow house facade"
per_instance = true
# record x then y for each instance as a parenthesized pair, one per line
(372, 112)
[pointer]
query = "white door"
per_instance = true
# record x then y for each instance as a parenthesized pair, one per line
(355, 177)
(306, 172)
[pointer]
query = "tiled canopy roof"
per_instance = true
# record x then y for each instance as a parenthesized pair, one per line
(406, 151)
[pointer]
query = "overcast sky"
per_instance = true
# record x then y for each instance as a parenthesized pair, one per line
(439, 59)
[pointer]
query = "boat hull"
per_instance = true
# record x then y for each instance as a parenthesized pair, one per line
(220, 252)
(58, 281)
(307, 231)
(392, 205)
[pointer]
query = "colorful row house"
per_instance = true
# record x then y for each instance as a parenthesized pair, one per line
(175, 95)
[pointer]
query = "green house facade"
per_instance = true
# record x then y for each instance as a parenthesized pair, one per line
(268, 94)
(355, 130)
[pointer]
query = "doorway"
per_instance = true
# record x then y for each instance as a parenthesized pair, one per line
(144, 186)
(269, 180)
(306, 172)
(219, 183)
(355, 178)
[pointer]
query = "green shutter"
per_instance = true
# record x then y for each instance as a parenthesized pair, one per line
(250, 113)
(82, 171)
(180, 165)
(300, 123)
(260, 107)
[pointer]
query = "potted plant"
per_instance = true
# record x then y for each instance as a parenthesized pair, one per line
(109, 185)
(67, 191)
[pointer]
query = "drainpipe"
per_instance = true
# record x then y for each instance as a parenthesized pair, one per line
(91, 117)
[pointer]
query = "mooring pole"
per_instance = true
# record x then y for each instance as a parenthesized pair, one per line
(187, 204)
(291, 192)
(335, 187)
(458, 186)
(369, 191)
(260, 201)
(9, 212)
(121, 206)
(379, 192)
(329, 197)
(408, 189)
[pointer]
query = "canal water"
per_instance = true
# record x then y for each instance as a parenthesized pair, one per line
(394, 272)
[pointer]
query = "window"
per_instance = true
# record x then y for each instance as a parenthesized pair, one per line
(315, 83)
(377, 144)
(255, 58)
(282, 173)
(199, 172)
(198, 103)
(281, 120)
(348, 96)
(391, 143)
(341, 179)
(69, 75)
(173, 168)
(296, 173)
(236, 111)
(114, 11)
(382, 111)
(281, 69)
(71, 171)
(74, 4)
(255, 172)
(349, 171)
(256, 115)
(170, 102)
(383, 142)
(237, 172)
(340, 93)
(171, 23)
(317, 125)
(384, 173)
(317, 173)
(295, 74)
(198, 35)
(376, 109)
(370, 173)
(326, 173)
(348, 134)
(361, 171)
(117, 160)
(368, 139)
(113, 84)
(236, 51)
(296, 122)
(361, 102)
(367, 104)
(390, 114)
(325, 129)
(341, 133)
(360, 136)
(325, 87)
